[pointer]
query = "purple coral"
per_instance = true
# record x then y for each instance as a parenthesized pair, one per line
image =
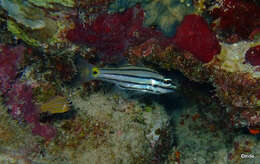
(19, 100)
(19, 95)
(9, 59)
(44, 130)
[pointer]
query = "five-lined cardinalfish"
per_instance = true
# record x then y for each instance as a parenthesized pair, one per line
(127, 77)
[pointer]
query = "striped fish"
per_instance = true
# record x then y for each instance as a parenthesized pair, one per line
(129, 78)
(57, 104)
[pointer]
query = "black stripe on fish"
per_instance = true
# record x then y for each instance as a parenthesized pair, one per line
(159, 90)
(135, 76)
(129, 69)
(133, 88)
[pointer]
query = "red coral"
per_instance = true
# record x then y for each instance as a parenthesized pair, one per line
(195, 36)
(238, 16)
(112, 34)
(253, 56)
(9, 60)
(107, 33)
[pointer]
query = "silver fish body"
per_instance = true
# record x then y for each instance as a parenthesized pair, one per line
(136, 78)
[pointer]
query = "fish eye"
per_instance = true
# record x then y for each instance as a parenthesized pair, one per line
(168, 81)
(95, 72)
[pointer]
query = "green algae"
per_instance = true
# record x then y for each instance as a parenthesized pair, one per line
(34, 38)
(50, 3)
(166, 15)
(33, 25)
(148, 108)
(17, 31)
(122, 5)
(24, 13)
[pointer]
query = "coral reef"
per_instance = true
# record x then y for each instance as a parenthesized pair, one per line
(122, 5)
(20, 102)
(244, 150)
(31, 23)
(106, 129)
(189, 34)
(9, 60)
(165, 14)
(112, 34)
(52, 3)
(236, 80)
(203, 138)
(17, 12)
(19, 95)
(17, 144)
(235, 58)
(237, 17)
(253, 56)
(46, 120)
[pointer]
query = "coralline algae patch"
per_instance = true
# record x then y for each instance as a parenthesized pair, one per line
(166, 15)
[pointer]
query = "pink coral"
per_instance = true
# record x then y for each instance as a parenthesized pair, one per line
(9, 59)
(194, 35)
(18, 95)
(20, 102)
(44, 130)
